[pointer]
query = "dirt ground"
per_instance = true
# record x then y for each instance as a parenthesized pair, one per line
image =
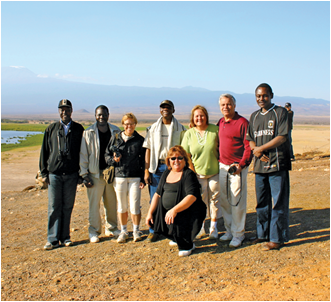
(138, 271)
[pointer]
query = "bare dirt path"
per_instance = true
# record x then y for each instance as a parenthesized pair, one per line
(153, 271)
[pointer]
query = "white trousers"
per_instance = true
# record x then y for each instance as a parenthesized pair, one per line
(211, 195)
(233, 189)
(127, 190)
(105, 191)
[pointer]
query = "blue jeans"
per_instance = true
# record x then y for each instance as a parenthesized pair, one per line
(61, 198)
(155, 178)
(273, 222)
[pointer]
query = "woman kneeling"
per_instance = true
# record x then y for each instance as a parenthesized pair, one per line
(177, 210)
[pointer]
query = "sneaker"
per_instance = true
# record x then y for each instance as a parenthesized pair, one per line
(94, 239)
(201, 233)
(152, 237)
(49, 246)
(122, 237)
(236, 241)
(226, 237)
(68, 242)
(112, 233)
(137, 236)
(172, 243)
(186, 253)
(213, 233)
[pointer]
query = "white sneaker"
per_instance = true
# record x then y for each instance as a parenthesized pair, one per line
(226, 237)
(112, 233)
(137, 236)
(94, 239)
(122, 237)
(236, 241)
(201, 233)
(186, 253)
(213, 234)
(68, 242)
(172, 243)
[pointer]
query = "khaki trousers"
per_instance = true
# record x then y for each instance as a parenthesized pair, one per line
(105, 191)
(233, 188)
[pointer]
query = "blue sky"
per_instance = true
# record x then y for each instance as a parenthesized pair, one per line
(216, 45)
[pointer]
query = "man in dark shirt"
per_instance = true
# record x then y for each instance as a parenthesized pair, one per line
(290, 127)
(267, 136)
(92, 163)
(59, 166)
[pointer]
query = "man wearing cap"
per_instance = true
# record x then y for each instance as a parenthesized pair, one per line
(59, 167)
(290, 127)
(160, 137)
(92, 163)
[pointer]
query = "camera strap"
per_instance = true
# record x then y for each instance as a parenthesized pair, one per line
(229, 188)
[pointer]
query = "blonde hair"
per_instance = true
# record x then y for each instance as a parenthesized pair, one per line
(127, 116)
(204, 110)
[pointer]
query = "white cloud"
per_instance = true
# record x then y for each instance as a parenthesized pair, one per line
(42, 76)
(17, 66)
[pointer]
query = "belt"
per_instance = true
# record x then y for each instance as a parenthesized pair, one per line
(162, 162)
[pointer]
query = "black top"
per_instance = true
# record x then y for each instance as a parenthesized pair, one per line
(290, 119)
(104, 138)
(188, 222)
(59, 152)
(262, 128)
(169, 195)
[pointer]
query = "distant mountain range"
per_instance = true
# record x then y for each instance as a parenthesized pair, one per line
(24, 92)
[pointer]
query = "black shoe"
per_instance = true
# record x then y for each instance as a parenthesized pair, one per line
(152, 237)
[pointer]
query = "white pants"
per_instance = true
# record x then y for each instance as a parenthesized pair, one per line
(127, 188)
(211, 195)
(106, 191)
(233, 189)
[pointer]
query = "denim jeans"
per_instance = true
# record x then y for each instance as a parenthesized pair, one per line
(61, 198)
(155, 178)
(273, 221)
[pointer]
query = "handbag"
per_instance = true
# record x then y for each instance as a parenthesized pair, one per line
(109, 174)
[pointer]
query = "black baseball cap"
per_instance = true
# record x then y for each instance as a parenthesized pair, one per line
(288, 105)
(167, 102)
(65, 103)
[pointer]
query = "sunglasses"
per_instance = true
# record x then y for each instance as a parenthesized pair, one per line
(179, 158)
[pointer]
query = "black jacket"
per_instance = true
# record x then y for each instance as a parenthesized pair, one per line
(59, 153)
(132, 163)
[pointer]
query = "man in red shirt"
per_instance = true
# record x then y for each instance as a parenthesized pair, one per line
(235, 156)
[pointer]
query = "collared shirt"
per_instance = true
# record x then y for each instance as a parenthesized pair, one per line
(66, 127)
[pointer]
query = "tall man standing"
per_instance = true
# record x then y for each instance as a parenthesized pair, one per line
(59, 166)
(234, 154)
(267, 133)
(160, 137)
(92, 163)
(290, 113)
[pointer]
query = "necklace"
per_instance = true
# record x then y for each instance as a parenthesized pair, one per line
(201, 140)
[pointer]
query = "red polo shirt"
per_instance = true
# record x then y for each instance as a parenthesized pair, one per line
(233, 146)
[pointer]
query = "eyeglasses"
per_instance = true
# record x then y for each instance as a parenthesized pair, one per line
(128, 124)
(179, 158)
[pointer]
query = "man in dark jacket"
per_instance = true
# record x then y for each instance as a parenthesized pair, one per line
(290, 127)
(59, 167)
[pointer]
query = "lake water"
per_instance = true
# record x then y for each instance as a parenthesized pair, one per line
(12, 137)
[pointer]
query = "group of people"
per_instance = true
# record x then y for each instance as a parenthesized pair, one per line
(191, 174)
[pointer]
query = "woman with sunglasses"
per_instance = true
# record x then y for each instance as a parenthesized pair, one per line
(201, 144)
(126, 154)
(177, 210)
